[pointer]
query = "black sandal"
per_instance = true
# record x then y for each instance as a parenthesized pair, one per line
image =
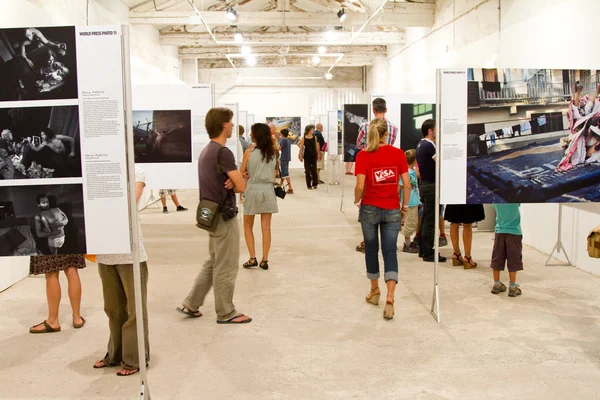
(458, 260)
(250, 264)
(264, 264)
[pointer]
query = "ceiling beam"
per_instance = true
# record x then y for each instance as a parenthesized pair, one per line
(290, 61)
(287, 38)
(219, 52)
(401, 15)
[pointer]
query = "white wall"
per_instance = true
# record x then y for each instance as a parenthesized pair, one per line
(521, 34)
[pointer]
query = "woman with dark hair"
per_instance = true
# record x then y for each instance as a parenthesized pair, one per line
(379, 170)
(258, 167)
(309, 153)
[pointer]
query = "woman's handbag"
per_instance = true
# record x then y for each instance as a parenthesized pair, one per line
(324, 147)
(280, 191)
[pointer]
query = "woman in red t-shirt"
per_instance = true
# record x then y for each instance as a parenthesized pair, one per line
(378, 172)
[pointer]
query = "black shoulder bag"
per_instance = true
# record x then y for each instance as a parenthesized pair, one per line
(207, 214)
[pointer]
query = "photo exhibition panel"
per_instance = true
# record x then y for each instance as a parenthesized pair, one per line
(62, 142)
(520, 136)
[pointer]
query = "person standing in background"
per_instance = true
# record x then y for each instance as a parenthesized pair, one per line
(243, 141)
(310, 153)
(321, 141)
(163, 199)
(286, 157)
(508, 247)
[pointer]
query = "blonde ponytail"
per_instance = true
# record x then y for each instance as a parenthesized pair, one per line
(377, 132)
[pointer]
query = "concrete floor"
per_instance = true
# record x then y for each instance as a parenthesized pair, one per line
(313, 336)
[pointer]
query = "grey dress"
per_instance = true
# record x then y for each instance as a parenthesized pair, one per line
(259, 197)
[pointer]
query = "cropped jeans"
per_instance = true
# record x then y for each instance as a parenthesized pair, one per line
(374, 219)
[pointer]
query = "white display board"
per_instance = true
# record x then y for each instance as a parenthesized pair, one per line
(71, 187)
(163, 126)
(243, 121)
(250, 118)
(452, 138)
(332, 132)
(233, 142)
(201, 102)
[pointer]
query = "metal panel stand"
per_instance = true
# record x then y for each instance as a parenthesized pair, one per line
(435, 303)
(133, 220)
(151, 201)
(559, 245)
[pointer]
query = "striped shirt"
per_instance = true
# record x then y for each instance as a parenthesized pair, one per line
(361, 142)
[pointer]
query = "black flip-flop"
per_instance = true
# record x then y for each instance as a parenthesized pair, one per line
(48, 328)
(188, 312)
(231, 320)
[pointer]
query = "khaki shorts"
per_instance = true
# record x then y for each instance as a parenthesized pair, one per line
(321, 164)
(410, 222)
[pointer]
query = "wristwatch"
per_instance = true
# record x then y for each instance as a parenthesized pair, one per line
(404, 207)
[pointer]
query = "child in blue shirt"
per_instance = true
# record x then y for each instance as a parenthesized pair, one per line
(412, 217)
(508, 247)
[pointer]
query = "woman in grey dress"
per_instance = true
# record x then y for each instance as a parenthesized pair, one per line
(258, 167)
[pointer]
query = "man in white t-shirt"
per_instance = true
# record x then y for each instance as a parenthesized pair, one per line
(116, 274)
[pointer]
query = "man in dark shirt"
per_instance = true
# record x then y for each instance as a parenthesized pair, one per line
(286, 157)
(321, 140)
(426, 158)
(221, 268)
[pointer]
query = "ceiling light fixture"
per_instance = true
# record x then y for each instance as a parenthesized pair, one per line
(330, 35)
(231, 14)
(237, 36)
(246, 50)
(342, 14)
(251, 60)
(316, 60)
(322, 49)
(329, 76)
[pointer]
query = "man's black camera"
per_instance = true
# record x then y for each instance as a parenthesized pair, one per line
(228, 211)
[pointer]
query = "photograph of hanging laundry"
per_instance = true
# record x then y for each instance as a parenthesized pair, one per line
(533, 136)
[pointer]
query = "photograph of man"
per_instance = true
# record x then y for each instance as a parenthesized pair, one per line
(162, 136)
(38, 64)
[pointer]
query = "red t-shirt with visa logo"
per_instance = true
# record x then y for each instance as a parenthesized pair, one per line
(382, 169)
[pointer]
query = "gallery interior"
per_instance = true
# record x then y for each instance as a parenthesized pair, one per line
(522, 66)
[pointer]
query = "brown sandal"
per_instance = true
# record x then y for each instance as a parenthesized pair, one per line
(469, 263)
(373, 298)
(458, 261)
(47, 328)
(77, 326)
(388, 311)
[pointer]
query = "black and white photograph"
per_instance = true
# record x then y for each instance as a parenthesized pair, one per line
(412, 117)
(162, 136)
(354, 116)
(38, 63)
(40, 143)
(42, 219)
(533, 136)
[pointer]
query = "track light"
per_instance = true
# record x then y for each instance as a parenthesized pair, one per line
(330, 35)
(251, 61)
(237, 36)
(316, 60)
(231, 14)
(342, 14)
(329, 76)
(322, 49)
(246, 50)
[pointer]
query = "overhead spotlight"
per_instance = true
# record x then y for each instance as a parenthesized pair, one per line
(330, 35)
(316, 60)
(246, 50)
(237, 36)
(322, 50)
(231, 14)
(329, 76)
(251, 61)
(342, 14)
(282, 61)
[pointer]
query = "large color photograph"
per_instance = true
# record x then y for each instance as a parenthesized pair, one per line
(354, 116)
(38, 64)
(533, 136)
(37, 220)
(162, 136)
(40, 142)
(412, 117)
(292, 124)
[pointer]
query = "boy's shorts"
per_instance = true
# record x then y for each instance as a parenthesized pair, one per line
(164, 192)
(411, 222)
(285, 169)
(507, 249)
